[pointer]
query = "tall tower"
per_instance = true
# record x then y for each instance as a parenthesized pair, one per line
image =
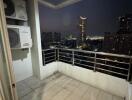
(83, 28)
(82, 25)
(125, 24)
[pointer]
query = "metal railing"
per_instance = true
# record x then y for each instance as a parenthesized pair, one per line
(108, 63)
(49, 55)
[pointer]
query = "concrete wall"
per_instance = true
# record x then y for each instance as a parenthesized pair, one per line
(48, 70)
(39, 70)
(129, 93)
(36, 51)
(22, 64)
(108, 83)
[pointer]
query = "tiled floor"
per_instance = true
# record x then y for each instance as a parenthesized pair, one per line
(60, 87)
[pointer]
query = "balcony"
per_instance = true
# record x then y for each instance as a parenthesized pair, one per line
(60, 87)
(67, 74)
(78, 74)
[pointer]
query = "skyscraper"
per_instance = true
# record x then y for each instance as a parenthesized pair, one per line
(82, 38)
(125, 24)
(120, 42)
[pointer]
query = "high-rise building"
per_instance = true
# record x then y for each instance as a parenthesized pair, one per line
(125, 24)
(120, 42)
(82, 38)
(83, 28)
(56, 37)
(46, 39)
(50, 39)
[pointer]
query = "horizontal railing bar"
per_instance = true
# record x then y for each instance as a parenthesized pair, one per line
(50, 57)
(65, 60)
(65, 56)
(49, 60)
(115, 55)
(111, 71)
(111, 66)
(101, 53)
(49, 49)
(84, 65)
(49, 53)
(93, 52)
(84, 60)
(84, 56)
(65, 53)
(77, 50)
(112, 61)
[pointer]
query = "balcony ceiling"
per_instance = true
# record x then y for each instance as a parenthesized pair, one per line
(57, 4)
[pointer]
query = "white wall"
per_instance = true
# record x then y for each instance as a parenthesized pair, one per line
(36, 51)
(48, 70)
(108, 83)
(39, 70)
(129, 93)
(22, 64)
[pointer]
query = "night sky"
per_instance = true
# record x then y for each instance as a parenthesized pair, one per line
(102, 16)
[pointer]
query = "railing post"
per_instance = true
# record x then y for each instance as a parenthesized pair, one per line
(129, 70)
(95, 62)
(44, 58)
(73, 58)
(57, 54)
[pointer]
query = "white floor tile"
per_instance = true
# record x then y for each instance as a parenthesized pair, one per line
(23, 89)
(60, 87)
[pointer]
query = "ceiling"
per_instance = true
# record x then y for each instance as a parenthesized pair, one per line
(57, 4)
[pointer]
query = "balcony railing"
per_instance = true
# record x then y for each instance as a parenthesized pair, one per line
(49, 55)
(108, 63)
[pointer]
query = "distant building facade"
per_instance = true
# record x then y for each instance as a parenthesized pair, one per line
(95, 42)
(71, 43)
(50, 39)
(118, 43)
(125, 26)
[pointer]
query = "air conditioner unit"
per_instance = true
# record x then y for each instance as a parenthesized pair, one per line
(19, 37)
(15, 9)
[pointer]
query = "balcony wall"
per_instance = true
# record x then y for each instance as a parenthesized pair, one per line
(129, 93)
(48, 70)
(108, 83)
(112, 81)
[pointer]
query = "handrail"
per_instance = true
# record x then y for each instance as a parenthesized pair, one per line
(49, 49)
(84, 51)
(50, 58)
(102, 53)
